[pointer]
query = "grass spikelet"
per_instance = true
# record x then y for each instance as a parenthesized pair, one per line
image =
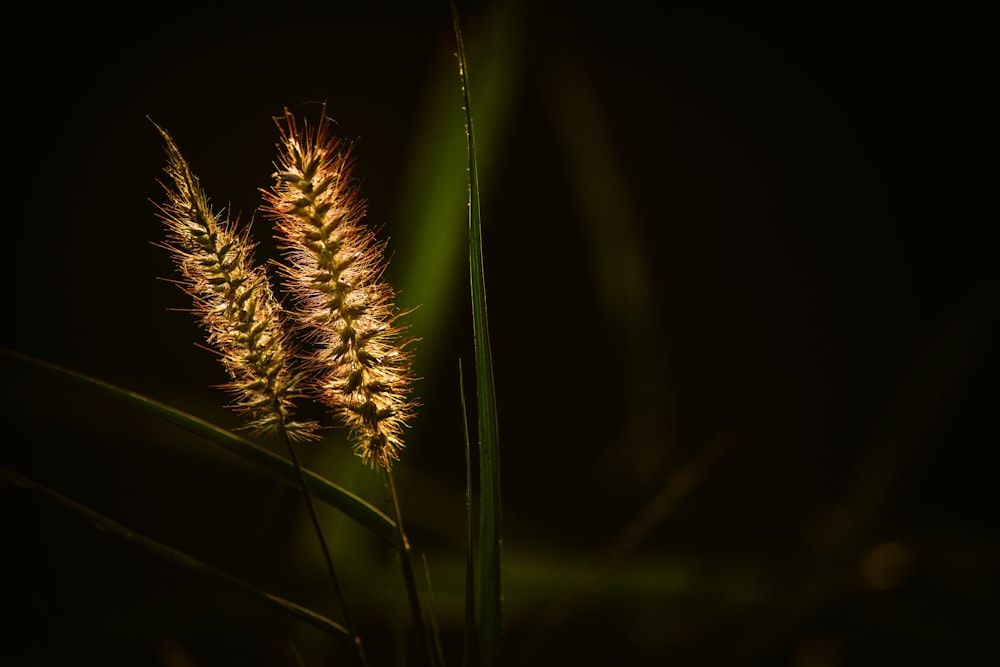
(235, 302)
(335, 271)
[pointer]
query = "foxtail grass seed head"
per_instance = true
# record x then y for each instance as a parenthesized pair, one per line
(335, 267)
(234, 301)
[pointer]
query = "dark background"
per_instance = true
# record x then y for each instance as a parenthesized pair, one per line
(742, 301)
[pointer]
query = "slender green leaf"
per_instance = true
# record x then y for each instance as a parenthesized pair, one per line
(176, 557)
(469, 640)
(335, 496)
(491, 597)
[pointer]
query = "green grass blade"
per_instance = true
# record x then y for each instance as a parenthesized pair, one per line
(335, 496)
(469, 640)
(491, 592)
(176, 557)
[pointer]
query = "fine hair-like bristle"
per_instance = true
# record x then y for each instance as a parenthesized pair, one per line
(335, 266)
(234, 301)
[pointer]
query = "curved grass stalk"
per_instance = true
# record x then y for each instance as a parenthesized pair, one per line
(176, 557)
(409, 579)
(353, 506)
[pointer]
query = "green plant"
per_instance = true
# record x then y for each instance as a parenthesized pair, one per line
(342, 344)
(743, 325)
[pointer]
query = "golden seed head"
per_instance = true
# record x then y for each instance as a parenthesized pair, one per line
(335, 267)
(235, 302)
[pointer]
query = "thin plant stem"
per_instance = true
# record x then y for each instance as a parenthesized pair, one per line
(178, 558)
(435, 629)
(470, 638)
(341, 600)
(409, 578)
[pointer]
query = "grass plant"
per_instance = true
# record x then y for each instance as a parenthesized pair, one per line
(740, 427)
(342, 344)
